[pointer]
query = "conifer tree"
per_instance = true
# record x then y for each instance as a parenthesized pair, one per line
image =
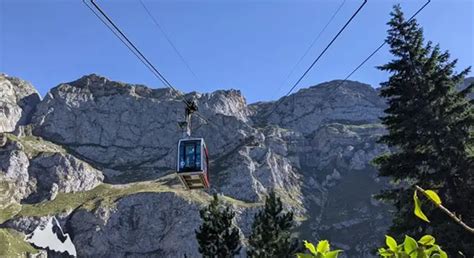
(271, 231)
(430, 125)
(217, 236)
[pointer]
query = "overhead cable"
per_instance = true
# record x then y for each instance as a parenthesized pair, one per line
(131, 46)
(312, 43)
(374, 52)
(162, 30)
(317, 58)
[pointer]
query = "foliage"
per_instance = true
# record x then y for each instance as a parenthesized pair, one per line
(429, 126)
(434, 198)
(410, 248)
(217, 236)
(418, 212)
(271, 231)
(430, 194)
(322, 250)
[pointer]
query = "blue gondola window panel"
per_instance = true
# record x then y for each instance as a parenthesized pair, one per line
(190, 156)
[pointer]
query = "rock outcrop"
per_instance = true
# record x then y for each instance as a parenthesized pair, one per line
(465, 84)
(141, 225)
(117, 125)
(18, 100)
(53, 173)
(14, 177)
(330, 102)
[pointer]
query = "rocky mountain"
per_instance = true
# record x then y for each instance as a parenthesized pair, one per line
(99, 156)
(466, 83)
(18, 100)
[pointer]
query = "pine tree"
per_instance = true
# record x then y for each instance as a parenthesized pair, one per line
(271, 231)
(429, 126)
(217, 236)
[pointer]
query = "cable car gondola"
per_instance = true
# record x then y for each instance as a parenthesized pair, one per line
(193, 159)
(193, 163)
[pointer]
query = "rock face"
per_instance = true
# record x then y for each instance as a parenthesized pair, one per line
(14, 175)
(329, 102)
(18, 100)
(141, 225)
(466, 83)
(339, 187)
(31, 172)
(314, 150)
(117, 125)
(3, 140)
(53, 173)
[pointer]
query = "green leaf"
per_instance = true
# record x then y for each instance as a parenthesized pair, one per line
(301, 255)
(323, 246)
(433, 196)
(332, 254)
(427, 240)
(391, 243)
(420, 253)
(384, 252)
(418, 212)
(443, 254)
(310, 247)
(410, 246)
(430, 250)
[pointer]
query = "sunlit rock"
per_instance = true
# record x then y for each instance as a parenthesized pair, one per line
(18, 100)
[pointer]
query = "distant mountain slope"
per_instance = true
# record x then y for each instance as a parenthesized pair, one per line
(468, 81)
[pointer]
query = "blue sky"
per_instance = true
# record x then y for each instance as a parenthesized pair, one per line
(246, 45)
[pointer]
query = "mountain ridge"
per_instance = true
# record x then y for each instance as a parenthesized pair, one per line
(315, 153)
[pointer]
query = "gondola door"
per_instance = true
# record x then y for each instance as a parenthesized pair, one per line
(192, 163)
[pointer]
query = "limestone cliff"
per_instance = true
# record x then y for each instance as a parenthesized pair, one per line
(102, 155)
(18, 100)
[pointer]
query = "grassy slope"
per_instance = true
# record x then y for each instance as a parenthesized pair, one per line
(104, 194)
(35, 145)
(9, 212)
(12, 244)
(107, 195)
(32, 146)
(8, 208)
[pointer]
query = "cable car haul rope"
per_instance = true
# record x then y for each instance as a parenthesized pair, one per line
(193, 158)
(192, 155)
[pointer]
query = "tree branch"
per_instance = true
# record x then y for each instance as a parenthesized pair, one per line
(445, 210)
